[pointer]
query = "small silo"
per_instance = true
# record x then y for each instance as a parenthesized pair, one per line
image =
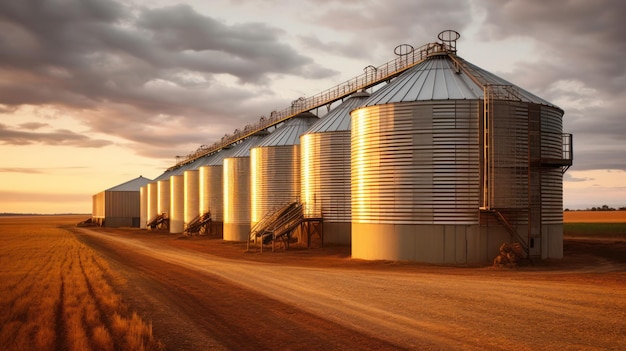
(449, 161)
(143, 207)
(237, 190)
(325, 163)
(212, 189)
(177, 208)
(275, 167)
(191, 196)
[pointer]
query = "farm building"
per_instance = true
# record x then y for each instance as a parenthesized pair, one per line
(119, 206)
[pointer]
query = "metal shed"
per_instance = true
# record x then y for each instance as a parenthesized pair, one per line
(119, 206)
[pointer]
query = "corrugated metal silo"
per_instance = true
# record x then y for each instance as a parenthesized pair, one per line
(153, 201)
(275, 167)
(237, 191)
(212, 189)
(163, 193)
(176, 212)
(448, 161)
(143, 207)
(325, 163)
(191, 196)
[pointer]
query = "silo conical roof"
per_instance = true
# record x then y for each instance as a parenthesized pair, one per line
(243, 149)
(289, 133)
(338, 119)
(438, 78)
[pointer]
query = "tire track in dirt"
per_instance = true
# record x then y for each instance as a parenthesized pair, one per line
(59, 323)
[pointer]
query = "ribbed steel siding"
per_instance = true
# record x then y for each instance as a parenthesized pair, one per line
(143, 206)
(153, 200)
(176, 214)
(192, 196)
(416, 163)
(236, 198)
(163, 205)
(509, 156)
(204, 186)
(552, 179)
(326, 175)
(275, 178)
(214, 175)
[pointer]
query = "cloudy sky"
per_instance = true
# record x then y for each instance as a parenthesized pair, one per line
(97, 92)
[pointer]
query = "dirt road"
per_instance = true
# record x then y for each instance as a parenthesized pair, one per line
(205, 294)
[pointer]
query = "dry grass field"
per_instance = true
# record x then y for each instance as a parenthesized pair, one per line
(594, 217)
(58, 294)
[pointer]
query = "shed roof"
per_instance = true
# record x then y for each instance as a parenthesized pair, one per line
(131, 185)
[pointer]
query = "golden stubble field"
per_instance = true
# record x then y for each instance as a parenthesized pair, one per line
(594, 217)
(58, 294)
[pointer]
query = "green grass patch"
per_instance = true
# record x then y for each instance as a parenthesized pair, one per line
(599, 230)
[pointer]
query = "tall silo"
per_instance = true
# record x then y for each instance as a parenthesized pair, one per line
(275, 167)
(212, 189)
(191, 196)
(237, 191)
(163, 203)
(177, 207)
(153, 201)
(325, 163)
(449, 161)
(143, 207)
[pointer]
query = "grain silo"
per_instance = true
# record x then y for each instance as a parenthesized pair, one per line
(212, 189)
(152, 201)
(191, 196)
(119, 206)
(449, 161)
(237, 190)
(325, 170)
(163, 194)
(275, 167)
(143, 206)
(177, 204)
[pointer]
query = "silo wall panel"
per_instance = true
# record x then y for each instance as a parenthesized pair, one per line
(215, 176)
(143, 207)
(204, 186)
(176, 212)
(153, 200)
(191, 196)
(236, 198)
(163, 204)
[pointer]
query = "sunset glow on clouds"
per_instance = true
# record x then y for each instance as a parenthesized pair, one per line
(97, 92)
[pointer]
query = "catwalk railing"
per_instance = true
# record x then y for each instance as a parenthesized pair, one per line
(407, 58)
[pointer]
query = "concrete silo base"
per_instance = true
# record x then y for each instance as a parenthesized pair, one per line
(552, 241)
(337, 233)
(236, 232)
(428, 243)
